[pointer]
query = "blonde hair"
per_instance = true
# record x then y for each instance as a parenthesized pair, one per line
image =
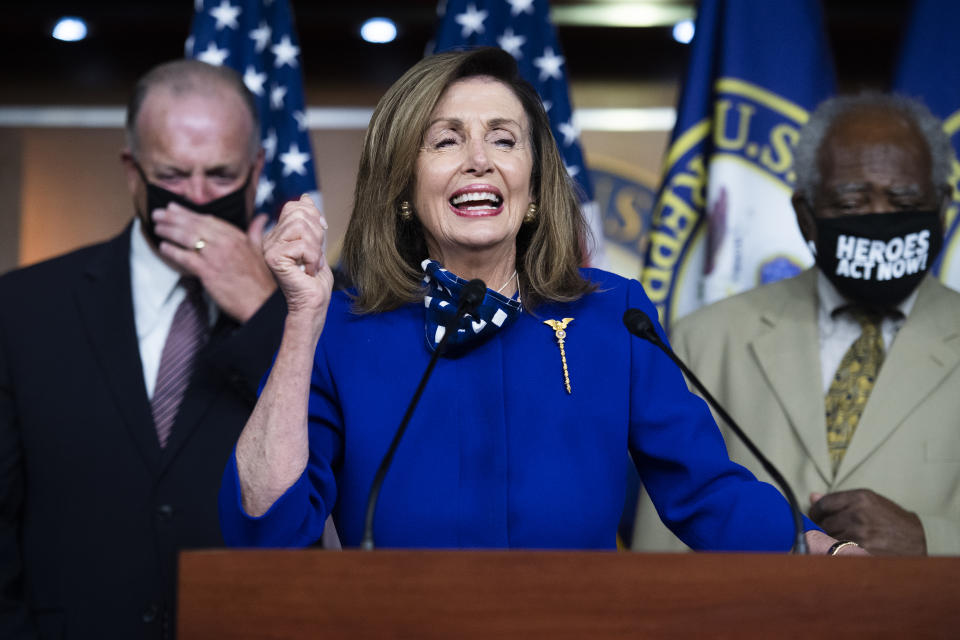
(382, 253)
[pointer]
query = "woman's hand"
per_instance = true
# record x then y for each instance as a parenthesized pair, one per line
(293, 251)
(819, 544)
(273, 448)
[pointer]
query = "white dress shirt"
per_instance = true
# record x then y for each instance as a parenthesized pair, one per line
(156, 296)
(839, 331)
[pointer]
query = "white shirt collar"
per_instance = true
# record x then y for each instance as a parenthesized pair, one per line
(153, 280)
(831, 299)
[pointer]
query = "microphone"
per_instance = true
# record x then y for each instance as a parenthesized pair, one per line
(640, 325)
(470, 297)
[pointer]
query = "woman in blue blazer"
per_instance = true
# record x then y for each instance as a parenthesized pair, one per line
(522, 434)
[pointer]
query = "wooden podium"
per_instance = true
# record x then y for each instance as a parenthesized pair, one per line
(527, 594)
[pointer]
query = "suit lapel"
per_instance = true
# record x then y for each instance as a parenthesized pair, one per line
(923, 353)
(105, 304)
(788, 353)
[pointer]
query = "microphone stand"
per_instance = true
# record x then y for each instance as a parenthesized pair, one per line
(471, 296)
(640, 325)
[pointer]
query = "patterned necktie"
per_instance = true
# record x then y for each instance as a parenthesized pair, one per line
(852, 384)
(187, 334)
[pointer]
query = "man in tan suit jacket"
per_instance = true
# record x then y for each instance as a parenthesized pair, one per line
(765, 354)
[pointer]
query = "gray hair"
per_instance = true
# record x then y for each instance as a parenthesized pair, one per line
(829, 111)
(190, 77)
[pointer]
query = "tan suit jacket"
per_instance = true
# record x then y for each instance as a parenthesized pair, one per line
(758, 353)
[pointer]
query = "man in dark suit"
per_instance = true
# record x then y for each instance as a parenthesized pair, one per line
(116, 421)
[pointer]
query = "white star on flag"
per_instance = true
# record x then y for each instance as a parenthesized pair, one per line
(188, 46)
(471, 20)
(277, 93)
(294, 161)
(511, 43)
(523, 29)
(549, 65)
(569, 133)
(213, 56)
(285, 53)
(254, 80)
(270, 145)
(264, 190)
(261, 36)
(257, 38)
(226, 15)
(520, 6)
(301, 119)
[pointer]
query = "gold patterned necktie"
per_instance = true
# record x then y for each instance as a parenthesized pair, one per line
(852, 383)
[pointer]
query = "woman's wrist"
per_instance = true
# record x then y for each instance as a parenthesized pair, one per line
(839, 545)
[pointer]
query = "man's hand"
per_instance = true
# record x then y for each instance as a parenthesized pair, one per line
(230, 263)
(879, 525)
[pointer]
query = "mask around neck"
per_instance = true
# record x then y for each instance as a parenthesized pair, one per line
(878, 259)
(231, 207)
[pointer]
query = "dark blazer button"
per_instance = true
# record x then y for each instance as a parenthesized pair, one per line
(151, 612)
(165, 512)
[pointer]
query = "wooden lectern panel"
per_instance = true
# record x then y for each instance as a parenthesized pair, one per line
(523, 594)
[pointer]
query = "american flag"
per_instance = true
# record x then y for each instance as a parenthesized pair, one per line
(257, 38)
(523, 29)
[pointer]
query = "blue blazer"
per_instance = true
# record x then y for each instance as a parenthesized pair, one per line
(498, 454)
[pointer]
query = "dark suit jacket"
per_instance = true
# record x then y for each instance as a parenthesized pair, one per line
(92, 511)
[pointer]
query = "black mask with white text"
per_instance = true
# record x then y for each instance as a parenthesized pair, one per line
(231, 207)
(878, 259)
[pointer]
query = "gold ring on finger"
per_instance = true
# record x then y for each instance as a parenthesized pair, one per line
(199, 245)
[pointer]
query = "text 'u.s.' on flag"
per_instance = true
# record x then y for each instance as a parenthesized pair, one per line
(723, 221)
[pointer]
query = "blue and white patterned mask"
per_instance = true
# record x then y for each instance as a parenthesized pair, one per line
(443, 296)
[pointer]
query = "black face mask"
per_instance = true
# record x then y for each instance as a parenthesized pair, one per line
(878, 259)
(230, 208)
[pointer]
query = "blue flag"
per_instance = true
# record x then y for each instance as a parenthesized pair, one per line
(257, 38)
(723, 221)
(929, 69)
(523, 29)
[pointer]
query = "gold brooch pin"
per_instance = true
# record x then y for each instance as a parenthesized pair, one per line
(559, 328)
